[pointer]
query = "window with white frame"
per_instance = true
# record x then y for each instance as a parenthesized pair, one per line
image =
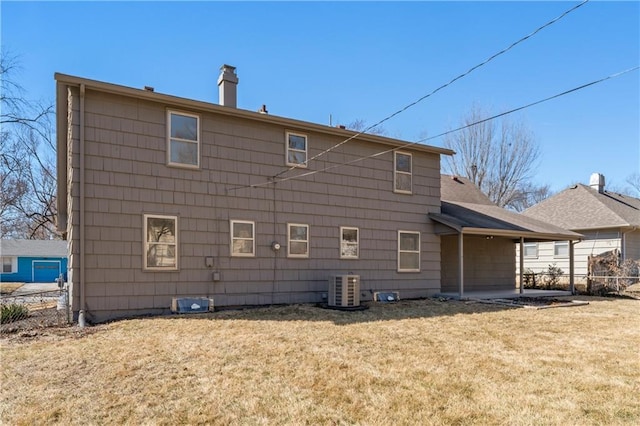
(243, 242)
(183, 139)
(561, 249)
(530, 250)
(349, 243)
(402, 172)
(408, 251)
(160, 242)
(296, 149)
(298, 240)
(9, 265)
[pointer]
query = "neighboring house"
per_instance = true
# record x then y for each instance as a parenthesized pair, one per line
(607, 220)
(33, 261)
(161, 196)
(477, 239)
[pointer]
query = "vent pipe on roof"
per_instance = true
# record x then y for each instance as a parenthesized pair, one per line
(597, 182)
(227, 86)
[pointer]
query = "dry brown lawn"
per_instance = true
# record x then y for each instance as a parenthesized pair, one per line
(8, 288)
(414, 362)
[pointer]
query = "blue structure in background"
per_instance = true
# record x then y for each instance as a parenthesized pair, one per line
(33, 261)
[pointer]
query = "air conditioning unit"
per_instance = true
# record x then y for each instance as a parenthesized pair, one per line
(186, 305)
(344, 291)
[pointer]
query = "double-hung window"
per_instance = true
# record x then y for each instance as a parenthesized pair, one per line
(9, 265)
(296, 149)
(183, 139)
(561, 249)
(530, 250)
(298, 244)
(160, 242)
(243, 241)
(408, 251)
(349, 243)
(402, 173)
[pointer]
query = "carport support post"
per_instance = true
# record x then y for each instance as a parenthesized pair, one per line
(461, 264)
(571, 268)
(521, 265)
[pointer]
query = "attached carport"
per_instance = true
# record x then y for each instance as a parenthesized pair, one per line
(479, 239)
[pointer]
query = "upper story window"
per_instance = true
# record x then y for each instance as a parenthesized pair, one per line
(402, 173)
(183, 139)
(561, 249)
(243, 241)
(9, 265)
(296, 149)
(408, 251)
(161, 242)
(298, 244)
(530, 249)
(349, 243)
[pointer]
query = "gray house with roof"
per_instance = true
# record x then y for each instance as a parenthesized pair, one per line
(479, 240)
(607, 220)
(163, 197)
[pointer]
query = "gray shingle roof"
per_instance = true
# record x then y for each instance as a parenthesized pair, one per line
(35, 248)
(581, 207)
(466, 209)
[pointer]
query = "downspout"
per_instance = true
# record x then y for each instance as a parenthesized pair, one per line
(521, 265)
(461, 264)
(572, 267)
(81, 314)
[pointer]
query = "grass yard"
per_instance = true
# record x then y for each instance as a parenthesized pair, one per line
(8, 288)
(414, 362)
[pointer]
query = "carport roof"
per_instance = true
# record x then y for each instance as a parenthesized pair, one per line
(33, 248)
(465, 209)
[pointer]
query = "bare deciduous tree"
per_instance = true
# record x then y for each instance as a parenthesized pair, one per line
(499, 157)
(27, 160)
(360, 125)
(634, 182)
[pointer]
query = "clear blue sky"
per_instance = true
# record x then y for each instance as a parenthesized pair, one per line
(365, 60)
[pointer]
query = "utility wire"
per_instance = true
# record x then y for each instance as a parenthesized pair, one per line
(492, 57)
(409, 144)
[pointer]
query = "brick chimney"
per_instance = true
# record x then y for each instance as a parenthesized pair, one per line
(597, 182)
(227, 86)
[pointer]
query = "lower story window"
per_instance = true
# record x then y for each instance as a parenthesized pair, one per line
(349, 246)
(408, 251)
(161, 242)
(561, 249)
(298, 244)
(243, 242)
(8, 265)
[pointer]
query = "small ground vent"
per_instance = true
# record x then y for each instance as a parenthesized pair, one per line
(188, 305)
(386, 296)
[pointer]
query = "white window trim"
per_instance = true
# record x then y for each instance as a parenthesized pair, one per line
(289, 240)
(410, 251)
(306, 150)
(252, 239)
(560, 256)
(14, 265)
(169, 138)
(524, 248)
(396, 172)
(357, 244)
(145, 244)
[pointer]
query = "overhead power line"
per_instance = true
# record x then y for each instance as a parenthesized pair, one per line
(464, 74)
(409, 144)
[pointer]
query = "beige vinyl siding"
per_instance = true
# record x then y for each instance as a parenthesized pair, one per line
(127, 177)
(594, 243)
(488, 264)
